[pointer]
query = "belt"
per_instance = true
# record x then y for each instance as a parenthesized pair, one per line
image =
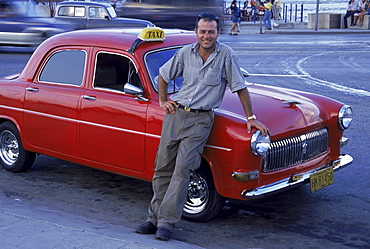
(192, 110)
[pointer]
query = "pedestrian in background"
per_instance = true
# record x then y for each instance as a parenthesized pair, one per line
(352, 8)
(235, 18)
(276, 10)
(189, 119)
(267, 15)
(114, 3)
(32, 7)
(364, 9)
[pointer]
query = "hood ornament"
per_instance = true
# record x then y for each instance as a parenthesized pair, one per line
(292, 102)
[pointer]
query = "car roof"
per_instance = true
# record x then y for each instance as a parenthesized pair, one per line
(121, 38)
(83, 3)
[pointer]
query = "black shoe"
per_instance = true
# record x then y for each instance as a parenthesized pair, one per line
(163, 234)
(146, 228)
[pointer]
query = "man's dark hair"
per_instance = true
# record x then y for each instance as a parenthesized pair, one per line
(208, 18)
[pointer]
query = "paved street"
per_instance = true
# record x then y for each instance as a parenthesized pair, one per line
(64, 205)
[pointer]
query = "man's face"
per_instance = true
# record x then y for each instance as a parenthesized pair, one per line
(207, 34)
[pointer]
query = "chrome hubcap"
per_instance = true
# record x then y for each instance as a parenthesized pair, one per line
(198, 194)
(9, 149)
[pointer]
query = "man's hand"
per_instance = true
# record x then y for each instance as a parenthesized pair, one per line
(259, 126)
(168, 106)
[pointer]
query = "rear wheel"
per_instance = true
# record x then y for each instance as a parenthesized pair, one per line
(203, 202)
(13, 157)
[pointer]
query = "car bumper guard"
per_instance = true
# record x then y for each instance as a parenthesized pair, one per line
(285, 184)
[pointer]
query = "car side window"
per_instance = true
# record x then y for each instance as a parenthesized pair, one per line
(154, 61)
(97, 12)
(65, 67)
(72, 11)
(113, 71)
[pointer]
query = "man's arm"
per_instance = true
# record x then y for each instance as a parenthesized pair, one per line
(168, 106)
(247, 106)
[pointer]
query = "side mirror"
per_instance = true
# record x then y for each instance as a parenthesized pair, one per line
(134, 90)
(244, 72)
(131, 89)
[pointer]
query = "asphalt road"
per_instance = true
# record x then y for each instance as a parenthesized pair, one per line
(338, 216)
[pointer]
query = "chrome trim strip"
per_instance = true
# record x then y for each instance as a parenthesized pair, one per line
(112, 127)
(251, 194)
(50, 116)
(218, 148)
(12, 108)
(96, 124)
(232, 114)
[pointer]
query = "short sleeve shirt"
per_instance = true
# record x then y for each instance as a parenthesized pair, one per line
(205, 83)
(268, 6)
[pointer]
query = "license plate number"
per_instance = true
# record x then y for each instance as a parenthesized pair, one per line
(321, 179)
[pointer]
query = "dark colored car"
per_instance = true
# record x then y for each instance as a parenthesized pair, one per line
(21, 30)
(86, 15)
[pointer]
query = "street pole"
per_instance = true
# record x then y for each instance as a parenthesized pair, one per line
(260, 23)
(317, 14)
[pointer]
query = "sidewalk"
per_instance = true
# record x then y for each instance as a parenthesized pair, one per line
(280, 27)
(26, 223)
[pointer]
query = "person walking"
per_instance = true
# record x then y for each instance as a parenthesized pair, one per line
(267, 15)
(207, 66)
(235, 18)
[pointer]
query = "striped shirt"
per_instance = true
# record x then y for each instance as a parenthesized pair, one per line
(204, 83)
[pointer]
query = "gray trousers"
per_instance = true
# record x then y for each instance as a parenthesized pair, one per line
(184, 135)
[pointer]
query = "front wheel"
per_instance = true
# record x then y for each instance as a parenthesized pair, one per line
(203, 202)
(13, 157)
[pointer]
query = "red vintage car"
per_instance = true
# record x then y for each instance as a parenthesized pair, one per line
(90, 97)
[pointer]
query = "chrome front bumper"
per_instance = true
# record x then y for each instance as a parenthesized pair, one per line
(285, 184)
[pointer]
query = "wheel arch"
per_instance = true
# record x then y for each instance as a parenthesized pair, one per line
(4, 119)
(207, 164)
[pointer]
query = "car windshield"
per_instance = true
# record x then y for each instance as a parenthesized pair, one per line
(154, 61)
(112, 12)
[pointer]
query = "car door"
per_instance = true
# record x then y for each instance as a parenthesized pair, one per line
(97, 17)
(52, 100)
(75, 15)
(112, 123)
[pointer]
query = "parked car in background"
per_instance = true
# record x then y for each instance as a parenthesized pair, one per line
(95, 102)
(21, 30)
(87, 15)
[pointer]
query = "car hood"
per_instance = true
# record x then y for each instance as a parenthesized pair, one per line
(282, 110)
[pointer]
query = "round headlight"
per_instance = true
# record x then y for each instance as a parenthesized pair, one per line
(260, 144)
(345, 117)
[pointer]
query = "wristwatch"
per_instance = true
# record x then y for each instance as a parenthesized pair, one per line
(253, 117)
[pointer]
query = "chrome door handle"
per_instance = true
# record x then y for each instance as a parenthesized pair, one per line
(88, 97)
(32, 89)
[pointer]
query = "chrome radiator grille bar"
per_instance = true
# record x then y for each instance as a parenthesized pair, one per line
(294, 150)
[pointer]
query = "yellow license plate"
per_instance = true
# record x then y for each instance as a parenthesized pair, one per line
(321, 179)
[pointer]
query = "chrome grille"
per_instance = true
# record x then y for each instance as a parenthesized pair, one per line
(292, 151)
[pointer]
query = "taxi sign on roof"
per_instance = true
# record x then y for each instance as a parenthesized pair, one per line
(152, 34)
